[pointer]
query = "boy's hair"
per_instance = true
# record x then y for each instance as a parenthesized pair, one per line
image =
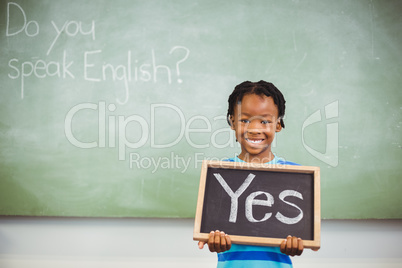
(259, 88)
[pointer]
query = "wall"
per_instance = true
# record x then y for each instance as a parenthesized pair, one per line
(36, 242)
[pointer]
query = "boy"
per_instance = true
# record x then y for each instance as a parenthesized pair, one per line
(255, 113)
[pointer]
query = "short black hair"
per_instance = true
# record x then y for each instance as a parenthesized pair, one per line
(259, 88)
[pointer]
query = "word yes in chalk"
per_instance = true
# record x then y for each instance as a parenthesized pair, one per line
(251, 201)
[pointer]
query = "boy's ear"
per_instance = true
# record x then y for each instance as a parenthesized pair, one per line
(278, 126)
(231, 121)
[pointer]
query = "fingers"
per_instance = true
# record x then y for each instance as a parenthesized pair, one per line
(201, 244)
(211, 241)
(300, 247)
(283, 246)
(289, 245)
(292, 246)
(228, 242)
(219, 242)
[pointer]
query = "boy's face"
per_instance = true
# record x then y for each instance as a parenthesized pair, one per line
(255, 122)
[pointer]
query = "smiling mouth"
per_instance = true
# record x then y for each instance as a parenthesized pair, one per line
(255, 141)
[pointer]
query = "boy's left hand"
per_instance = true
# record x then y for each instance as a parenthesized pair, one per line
(292, 246)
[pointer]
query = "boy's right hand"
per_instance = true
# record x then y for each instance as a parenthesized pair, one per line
(217, 242)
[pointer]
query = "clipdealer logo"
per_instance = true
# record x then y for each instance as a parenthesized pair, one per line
(112, 133)
(330, 156)
(112, 129)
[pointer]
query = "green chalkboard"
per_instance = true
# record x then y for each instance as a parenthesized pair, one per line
(107, 108)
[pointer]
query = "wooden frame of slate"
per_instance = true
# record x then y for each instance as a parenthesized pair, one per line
(259, 204)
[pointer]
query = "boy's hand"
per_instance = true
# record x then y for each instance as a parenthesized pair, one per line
(292, 246)
(217, 242)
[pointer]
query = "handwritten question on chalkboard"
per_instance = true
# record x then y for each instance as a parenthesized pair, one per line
(92, 67)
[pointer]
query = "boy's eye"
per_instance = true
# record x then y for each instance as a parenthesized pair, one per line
(265, 122)
(244, 121)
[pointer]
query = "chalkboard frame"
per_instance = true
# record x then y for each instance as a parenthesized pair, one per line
(252, 240)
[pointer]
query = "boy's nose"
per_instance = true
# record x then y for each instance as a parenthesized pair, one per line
(254, 127)
(254, 130)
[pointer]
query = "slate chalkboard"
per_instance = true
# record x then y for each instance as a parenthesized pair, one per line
(259, 204)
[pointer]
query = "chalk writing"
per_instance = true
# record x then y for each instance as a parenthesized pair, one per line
(154, 68)
(234, 195)
(25, 26)
(40, 69)
(252, 201)
(71, 28)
